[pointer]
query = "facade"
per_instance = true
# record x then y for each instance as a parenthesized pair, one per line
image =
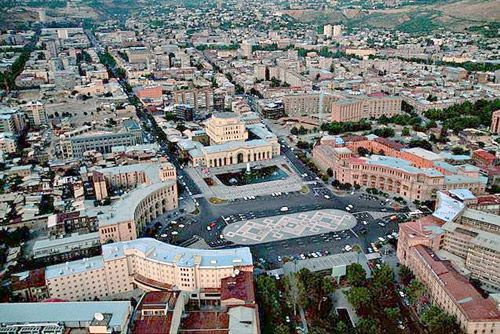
(413, 173)
(355, 109)
(77, 144)
(154, 194)
(8, 143)
(225, 127)
(62, 249)
(231, 142)
(147, 264)
(456, 231)
(495, 122)
(453, 293)
(35, 110)
(307, 103)
(475, 238)
(11, 120)
(198, 98)
(84, 317)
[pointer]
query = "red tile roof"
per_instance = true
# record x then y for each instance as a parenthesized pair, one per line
(463, 294)
(35, 279)
(153, 325)
(238, 287)
(205, 321)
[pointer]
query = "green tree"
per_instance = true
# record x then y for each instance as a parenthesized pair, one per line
(405, 273)
(415, 291)
(281, 329)
(392, 313)
(439, 322)
(356, 275)
(341, 328)
(405, 132)
(359, 297)
(366, 326)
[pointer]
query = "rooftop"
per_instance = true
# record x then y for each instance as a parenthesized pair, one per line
(74, 267)
(239, 287)
(447, 208)
(185, 257)
(67, 312)
(423, 153)
(462, 293)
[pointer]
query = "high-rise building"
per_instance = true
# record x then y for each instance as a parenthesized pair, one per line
(495, 122)
(328, 30)
(337, 30)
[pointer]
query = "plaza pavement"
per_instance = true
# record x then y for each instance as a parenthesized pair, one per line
(291, 183)
(288, 226)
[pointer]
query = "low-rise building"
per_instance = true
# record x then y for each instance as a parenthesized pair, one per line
(63, 317)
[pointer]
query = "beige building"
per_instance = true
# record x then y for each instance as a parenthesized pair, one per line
(198, 98)
(307, 103)
(8, 144)
(453, 293)
(495, 122)
(475, 238)
(230, 143)
(35, 110)
(148, 264)
(154, 194)
(225, 127)
(355, 109)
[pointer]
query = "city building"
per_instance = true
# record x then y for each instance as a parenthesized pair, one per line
(74, 144)
(453, 293)
(231, 142)
(495, 122)
(154, 192)
(413, 173)
(35, 110)
(64, 317)
(63, 249)
(460, 232)
(147, 264)
(359, 107)
(201, 99)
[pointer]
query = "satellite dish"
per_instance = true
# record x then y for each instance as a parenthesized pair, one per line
(98, 316)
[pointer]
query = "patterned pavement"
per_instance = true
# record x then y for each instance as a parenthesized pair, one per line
(288, 226)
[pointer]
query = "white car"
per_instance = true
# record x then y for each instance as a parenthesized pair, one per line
(327, 197)
(348, 248)
(284, 209)
(279, 259)
(365, 222)
(348, 208)
(381, 239)
(175, 232)
(181, 225)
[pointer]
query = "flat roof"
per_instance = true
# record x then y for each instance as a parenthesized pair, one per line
(401, 164)
(448, 208)
(68, 312)
(74, 267)
(74, 239)
(184, 257)
(328, 262)
(423, 153)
